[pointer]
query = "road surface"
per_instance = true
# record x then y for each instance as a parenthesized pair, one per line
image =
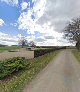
(61, 75)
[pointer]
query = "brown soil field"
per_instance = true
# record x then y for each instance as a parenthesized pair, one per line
(18, 53)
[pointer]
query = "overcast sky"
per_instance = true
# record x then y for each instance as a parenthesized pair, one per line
(42, 21)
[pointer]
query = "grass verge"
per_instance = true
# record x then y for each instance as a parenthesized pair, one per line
(18, 82)
(76, 54)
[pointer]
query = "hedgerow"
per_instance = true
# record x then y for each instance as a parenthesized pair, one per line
(9, 66)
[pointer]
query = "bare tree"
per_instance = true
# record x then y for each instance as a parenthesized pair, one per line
(23, 42)
(72, 31)
(32, 44)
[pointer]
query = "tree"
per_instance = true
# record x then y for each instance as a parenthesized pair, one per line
(32, 44)
(72, 31)
(23, 42)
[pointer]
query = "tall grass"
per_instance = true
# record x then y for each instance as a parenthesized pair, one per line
(76, 54)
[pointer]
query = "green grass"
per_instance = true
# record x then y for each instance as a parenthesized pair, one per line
(76, 54)
(18, 82)
(7, 48)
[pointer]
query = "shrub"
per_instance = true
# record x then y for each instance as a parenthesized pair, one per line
(40, 52)
(7, 67)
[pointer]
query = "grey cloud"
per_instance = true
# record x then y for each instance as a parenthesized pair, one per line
(48, 37)
(9, 40)
(59, 12)
(40, 40)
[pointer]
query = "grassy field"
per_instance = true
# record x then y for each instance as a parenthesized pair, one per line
(9, 48)
(18, 82)
(76, 54)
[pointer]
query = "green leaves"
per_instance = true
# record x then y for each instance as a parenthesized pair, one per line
(40, 52)
(9, 66)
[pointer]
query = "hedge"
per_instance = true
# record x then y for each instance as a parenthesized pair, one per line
(40, 52)
(9, 66)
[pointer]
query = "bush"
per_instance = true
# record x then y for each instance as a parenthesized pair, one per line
(7, 67)
(40, 52)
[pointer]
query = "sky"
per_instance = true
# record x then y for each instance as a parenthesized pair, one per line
(41, 21)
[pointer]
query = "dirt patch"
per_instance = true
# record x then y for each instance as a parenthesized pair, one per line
(18, 53)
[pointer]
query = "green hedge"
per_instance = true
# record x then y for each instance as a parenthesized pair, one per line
(9, 66)
(40, 52)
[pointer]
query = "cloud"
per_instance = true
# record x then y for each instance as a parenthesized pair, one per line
(24, 5)
(55, 42)
(49, 17)
(27, 20)
(39, 8)
(27, 23)
(40, 39)
(60, 12)
(13, 24)
(1, 22)
(49, 37)
(11, 2)
(8, 39)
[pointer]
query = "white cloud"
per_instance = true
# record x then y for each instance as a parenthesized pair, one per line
(54, 42)
(11, 2)
(24, 5)
(13, 24)
(7, 39)
(51, 39)
(39, 8)
(59, 12)
(31, 26)
(1, 22)
(25, 20)
(40, 39)
(49, 19)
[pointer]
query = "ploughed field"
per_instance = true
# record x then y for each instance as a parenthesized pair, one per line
(15, 51)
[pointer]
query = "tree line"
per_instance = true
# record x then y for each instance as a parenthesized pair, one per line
(23, 42)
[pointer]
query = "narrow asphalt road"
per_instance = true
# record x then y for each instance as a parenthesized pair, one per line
(61, 75)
